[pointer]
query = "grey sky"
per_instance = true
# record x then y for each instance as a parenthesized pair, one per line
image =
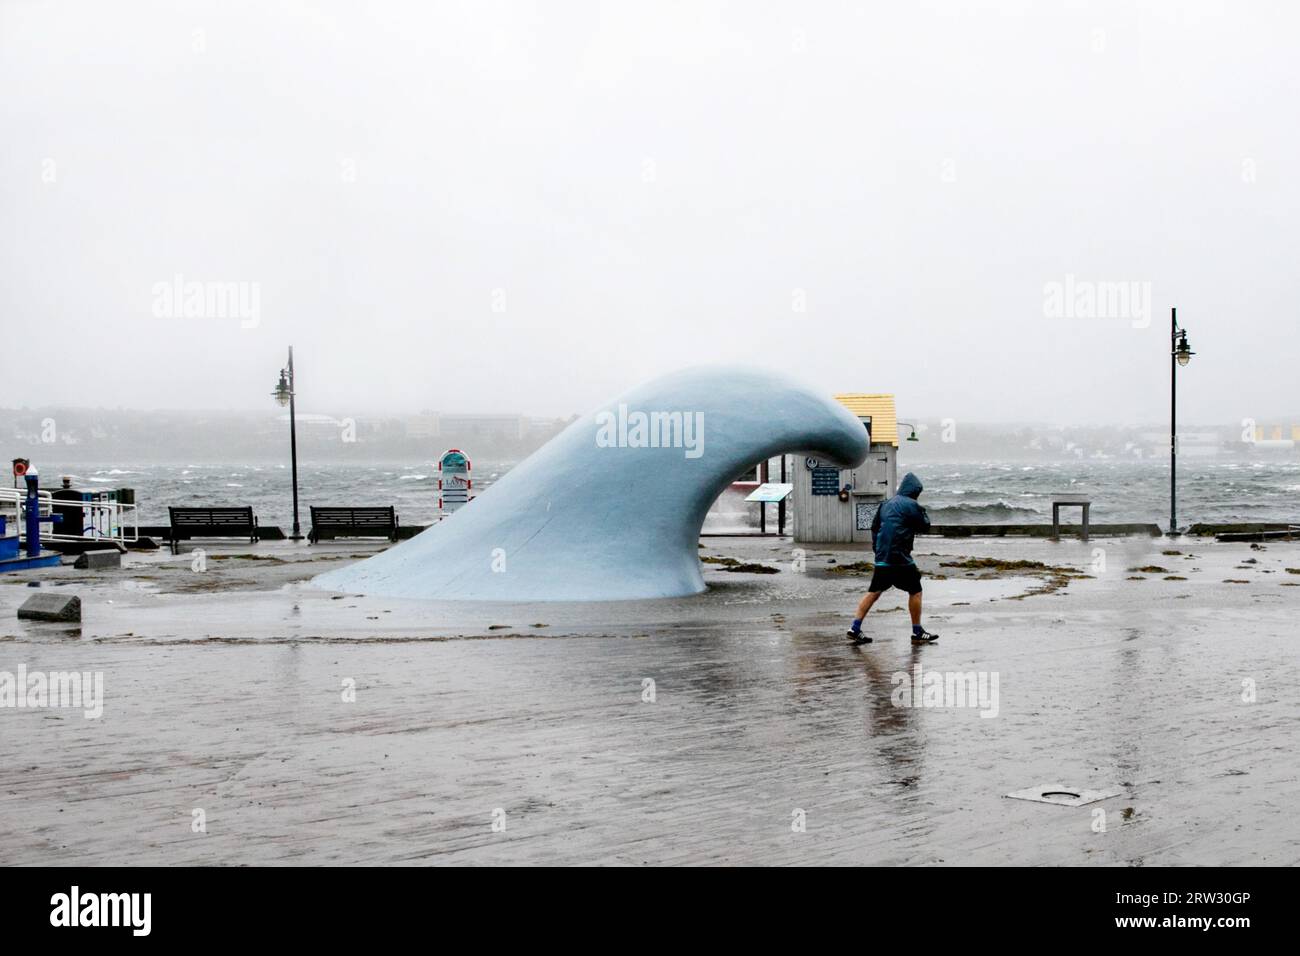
(640, 186)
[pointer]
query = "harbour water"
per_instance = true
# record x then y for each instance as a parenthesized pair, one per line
(964, 492)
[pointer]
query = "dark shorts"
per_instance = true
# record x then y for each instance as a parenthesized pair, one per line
(905, 577)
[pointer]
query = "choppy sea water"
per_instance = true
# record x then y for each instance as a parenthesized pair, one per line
(411, 488)
(955, 493)
(1121, 491)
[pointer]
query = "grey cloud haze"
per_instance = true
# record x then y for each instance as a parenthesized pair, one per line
(530, 207)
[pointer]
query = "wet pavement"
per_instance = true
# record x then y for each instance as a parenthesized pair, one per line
(533, 734)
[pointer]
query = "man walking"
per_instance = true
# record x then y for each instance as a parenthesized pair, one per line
(897, 521)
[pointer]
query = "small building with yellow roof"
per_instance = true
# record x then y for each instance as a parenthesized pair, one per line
(836, 505)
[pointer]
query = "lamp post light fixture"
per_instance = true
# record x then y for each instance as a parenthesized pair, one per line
(284, 394)
(912, 436)
(1180, 353)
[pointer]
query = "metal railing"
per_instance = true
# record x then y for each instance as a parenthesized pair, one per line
(101, 518)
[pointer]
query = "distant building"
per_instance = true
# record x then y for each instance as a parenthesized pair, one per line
(422, 426)
(491, 427)
(1275, 438)
(1190, 444)
(307, 420)
(509, 434)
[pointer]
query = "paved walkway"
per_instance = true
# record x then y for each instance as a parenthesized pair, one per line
(227, 697)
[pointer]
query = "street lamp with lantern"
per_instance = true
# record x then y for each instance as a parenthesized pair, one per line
(1180, 353)
(284, 394)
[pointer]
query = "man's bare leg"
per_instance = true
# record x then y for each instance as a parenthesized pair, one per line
(867, 601)
(855, 632)
(919, 634)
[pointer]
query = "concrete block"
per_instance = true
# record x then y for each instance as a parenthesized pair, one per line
(48, 606)
(102, 558)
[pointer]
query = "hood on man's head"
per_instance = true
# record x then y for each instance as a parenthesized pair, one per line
(910, 486)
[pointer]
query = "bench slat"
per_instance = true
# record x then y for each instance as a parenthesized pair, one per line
(368, 521)
(212, 522)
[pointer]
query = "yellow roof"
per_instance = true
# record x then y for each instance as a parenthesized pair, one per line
(879, 408)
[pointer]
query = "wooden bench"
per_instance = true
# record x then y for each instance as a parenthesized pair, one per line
(327, 523)
(218, 522)
(1069, 501)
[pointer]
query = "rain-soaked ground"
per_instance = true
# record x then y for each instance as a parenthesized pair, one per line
(248, 718)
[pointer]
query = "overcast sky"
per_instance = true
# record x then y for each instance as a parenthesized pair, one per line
(529, 207)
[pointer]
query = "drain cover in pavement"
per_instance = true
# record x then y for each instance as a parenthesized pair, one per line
(1062, 795)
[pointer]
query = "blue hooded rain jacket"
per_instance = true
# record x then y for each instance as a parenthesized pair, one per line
(896, 521)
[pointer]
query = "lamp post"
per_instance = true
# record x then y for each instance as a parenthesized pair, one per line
(284, 394)
(1180, 353)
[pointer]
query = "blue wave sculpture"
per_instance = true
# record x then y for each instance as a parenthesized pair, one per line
(612, 507)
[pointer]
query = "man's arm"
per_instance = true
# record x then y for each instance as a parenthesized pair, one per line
(875, 525)
(921, 519)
